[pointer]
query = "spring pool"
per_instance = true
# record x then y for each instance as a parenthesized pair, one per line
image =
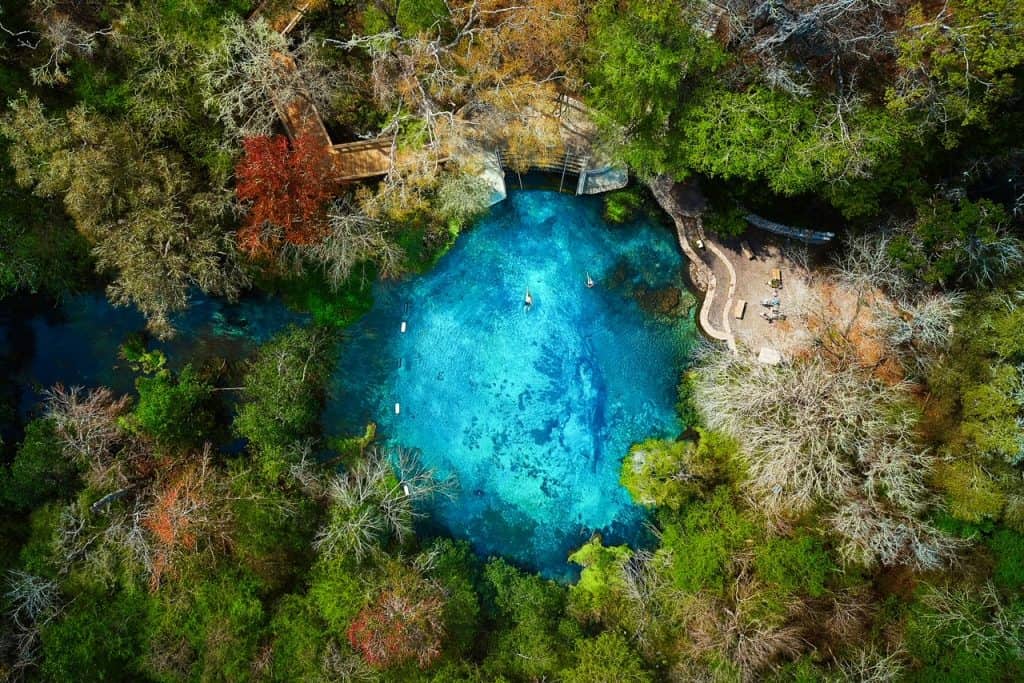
(530, 411)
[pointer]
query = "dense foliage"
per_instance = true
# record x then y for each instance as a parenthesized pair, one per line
(856, 513)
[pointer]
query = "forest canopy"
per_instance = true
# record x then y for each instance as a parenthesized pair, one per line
(853, 513)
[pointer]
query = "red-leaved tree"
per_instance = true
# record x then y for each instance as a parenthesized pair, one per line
(404, 623)
(286, 188)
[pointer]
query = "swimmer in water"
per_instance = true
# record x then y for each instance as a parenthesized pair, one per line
(590, 281)
(528, 300)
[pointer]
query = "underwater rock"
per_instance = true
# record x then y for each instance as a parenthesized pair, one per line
(665, 303)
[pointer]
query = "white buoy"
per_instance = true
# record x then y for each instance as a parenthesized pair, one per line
(398, 408)
(403, 327)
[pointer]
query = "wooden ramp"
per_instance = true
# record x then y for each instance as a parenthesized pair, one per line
(299, 114)
(285, 15)
(350, 161)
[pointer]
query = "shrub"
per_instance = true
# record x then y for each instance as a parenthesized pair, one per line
(799, 564)
(703, 541)
(284, 390)
(174, 410)
(1008, 548)
(654, 473)
(729, 222)
(601, 587)
(404, 623)
(973, 496)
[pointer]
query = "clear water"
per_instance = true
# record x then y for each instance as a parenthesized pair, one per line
(78, 343)
(531, 411)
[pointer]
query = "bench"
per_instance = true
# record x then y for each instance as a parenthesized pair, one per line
(739, 309)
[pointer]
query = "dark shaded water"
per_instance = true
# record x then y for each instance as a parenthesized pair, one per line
(78, 342)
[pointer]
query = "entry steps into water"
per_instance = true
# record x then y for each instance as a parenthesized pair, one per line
(590, 177)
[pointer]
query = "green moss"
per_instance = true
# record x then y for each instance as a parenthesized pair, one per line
(621, 206)
(419, 16)
(337, 308)
(1008, 549)
(799, 564)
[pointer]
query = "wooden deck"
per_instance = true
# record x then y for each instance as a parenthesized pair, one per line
(363, 159)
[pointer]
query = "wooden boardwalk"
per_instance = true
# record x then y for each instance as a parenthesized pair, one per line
(366, 159)
(688, 225)
(362, 159)
(285, 15)
(350, 161)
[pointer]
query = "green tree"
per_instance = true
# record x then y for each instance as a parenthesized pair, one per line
(298, 640)
(146, 215)
(162, 45)
(39, 249)
(955, 244)
(608, 658)
(283, 396)
(643, 56)
(40, 471)
(959, 63)
(100, 636)
(173, 408)
(455, 567)
(207, 626)
(530, 641)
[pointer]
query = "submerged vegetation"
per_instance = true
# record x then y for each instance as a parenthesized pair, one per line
(855, 512)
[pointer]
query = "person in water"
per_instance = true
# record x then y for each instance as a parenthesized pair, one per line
(590, 281)
(528, 300)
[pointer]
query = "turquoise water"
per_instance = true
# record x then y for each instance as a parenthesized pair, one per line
(531, 411)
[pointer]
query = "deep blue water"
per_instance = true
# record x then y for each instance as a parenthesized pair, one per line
(531, 411)
(78, 342)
